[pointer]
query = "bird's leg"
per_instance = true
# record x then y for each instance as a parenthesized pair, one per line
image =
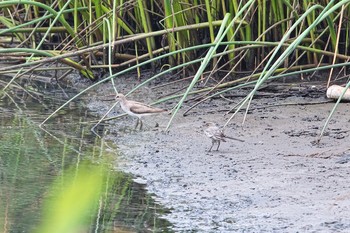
(218, 145)
(212, 144)
(141, 124)
(137, 123)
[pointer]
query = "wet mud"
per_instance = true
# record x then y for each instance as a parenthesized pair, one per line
(278, 180)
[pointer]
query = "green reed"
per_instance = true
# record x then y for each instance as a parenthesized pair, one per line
(81, 25)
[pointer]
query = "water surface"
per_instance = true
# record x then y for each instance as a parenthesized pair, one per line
(62, 176)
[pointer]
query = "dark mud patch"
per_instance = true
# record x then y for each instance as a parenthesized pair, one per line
(278, 180)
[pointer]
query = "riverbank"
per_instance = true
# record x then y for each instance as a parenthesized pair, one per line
(278, 180)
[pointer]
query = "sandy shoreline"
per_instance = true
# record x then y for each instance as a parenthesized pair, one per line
(276, 181)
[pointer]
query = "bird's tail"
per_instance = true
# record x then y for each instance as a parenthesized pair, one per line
(236, 139)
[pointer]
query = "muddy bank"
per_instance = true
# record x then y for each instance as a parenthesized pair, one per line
(278, 180)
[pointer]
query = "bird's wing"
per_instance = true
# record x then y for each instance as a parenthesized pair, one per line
(213, 132)
(219, 135)
(139, 108)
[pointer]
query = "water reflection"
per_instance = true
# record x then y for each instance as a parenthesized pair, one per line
(61, 179)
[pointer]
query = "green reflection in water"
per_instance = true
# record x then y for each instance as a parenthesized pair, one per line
(62, 179)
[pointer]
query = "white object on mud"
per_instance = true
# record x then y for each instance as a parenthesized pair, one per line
(334, 91)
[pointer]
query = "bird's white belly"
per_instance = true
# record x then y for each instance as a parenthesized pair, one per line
(127, 110)
(210, 135)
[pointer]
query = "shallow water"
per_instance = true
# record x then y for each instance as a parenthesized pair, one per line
(61, 176)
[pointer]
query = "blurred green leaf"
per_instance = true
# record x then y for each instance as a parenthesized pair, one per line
(76, 199)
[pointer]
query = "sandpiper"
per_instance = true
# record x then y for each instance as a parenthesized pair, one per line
(216, 135)
(137, 109)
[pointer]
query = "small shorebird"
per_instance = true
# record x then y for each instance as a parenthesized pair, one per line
(137, 109)
(216, 135)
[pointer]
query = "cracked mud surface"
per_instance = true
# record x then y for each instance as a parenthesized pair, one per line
(278, 180)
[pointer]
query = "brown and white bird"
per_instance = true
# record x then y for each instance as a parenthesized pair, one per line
(216, 135)
(137, 109)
